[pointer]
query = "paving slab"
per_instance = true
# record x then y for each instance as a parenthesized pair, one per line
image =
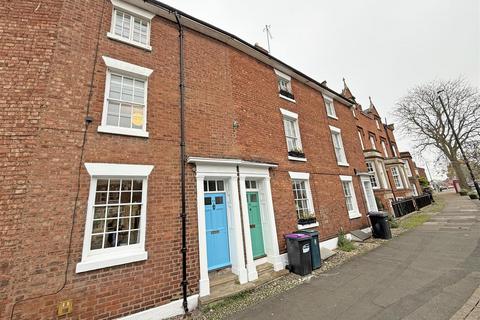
(427, 273)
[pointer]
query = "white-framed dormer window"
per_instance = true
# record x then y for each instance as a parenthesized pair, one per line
(338, 146)
(130, 24)
(116, 215)
(394, 148)
(360, 136)
(284, 83)
(330, 107)
(377, 123)
(292, 135)
(372, 142)
(125, 103)
(350, 198)
(373, 174)
(303, 198)
(396, 178)
(353, 112)
(384, 148)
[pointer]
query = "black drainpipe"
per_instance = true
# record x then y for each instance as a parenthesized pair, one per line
(182, 166)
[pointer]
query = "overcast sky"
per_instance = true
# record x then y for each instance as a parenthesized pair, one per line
(381, 47)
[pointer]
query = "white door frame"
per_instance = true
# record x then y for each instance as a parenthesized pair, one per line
(366, 178)
(226, 169)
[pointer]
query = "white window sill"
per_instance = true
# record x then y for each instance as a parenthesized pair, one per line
(297, 159)
(287, 98)
(307, 226)
(343, 164)
(113, 36)
(123, 131)
(103, 261)
(354, 215)
(333, 117)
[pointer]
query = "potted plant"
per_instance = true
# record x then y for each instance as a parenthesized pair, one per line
(306, 218)
(296, 152)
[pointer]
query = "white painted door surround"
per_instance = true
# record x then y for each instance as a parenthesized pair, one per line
(237, 212)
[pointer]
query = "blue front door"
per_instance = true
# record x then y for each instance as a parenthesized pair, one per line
(218, 253)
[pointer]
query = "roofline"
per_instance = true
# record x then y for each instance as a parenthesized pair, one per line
(197, 25)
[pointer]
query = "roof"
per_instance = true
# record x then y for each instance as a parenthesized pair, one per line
(168, 12)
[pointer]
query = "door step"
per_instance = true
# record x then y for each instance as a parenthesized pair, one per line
(360, 236)
(224, 284)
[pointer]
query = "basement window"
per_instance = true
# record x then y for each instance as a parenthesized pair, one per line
(131, 25)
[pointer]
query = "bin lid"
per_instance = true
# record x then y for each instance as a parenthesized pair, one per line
(307, 231)
(378, 214)
(297, 236)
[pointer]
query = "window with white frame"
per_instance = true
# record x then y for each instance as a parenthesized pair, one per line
(373, 174)
(407, 168)
(377, 123)
(125, 104)
(372, 142)
(353, 112)
(284, 83)
(384, 147)
(396, 178)
(360, 136)
(292, 134)
(130, 24)
(116, 215)
(414, 189)
(394, 148)
(302, 197)
(350, 198)
(338, 146)
(330, 107)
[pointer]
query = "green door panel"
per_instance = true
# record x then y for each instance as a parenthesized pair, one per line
(256, 234)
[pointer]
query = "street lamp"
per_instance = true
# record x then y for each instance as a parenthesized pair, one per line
(477, 187)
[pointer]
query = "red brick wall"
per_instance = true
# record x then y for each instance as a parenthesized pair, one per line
(42, 132)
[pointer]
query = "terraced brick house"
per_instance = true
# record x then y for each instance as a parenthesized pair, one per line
(145, 150)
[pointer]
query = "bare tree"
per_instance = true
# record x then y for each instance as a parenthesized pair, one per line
(420, 116)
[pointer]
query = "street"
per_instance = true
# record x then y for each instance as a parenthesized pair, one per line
(426, 273)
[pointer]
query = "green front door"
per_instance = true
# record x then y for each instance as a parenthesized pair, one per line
(255, 225)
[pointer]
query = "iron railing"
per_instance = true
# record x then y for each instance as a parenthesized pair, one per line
(403, 207)
(423, 201)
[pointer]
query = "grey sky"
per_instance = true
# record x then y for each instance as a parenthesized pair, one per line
(381, 47)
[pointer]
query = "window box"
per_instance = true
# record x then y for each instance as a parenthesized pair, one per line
(296, 154)
(287, 94)
(304, 221)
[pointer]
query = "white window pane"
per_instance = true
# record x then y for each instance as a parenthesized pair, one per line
(139, 92)
(115, 86)
(118, 23)
(126, 26)
(127, 89)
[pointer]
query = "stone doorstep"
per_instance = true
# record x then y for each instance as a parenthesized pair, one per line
(224, 284)
(360, 236)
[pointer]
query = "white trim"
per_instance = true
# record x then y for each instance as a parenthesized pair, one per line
(133, 9)
(346, 178)
(283, 75)
(363, 180)
(124, 170)
(297, 159)
(168, 310)
(286, 98)
(330, 115)
(107, 257)
(355, 212)
(289, 114)
(140, 45)
(106, 261)
(126, 67)
(218, 161)
(307, 226)
(123, 131)
(299, 175)
(344, 155)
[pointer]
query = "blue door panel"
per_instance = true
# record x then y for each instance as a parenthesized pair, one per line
(218, 253)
